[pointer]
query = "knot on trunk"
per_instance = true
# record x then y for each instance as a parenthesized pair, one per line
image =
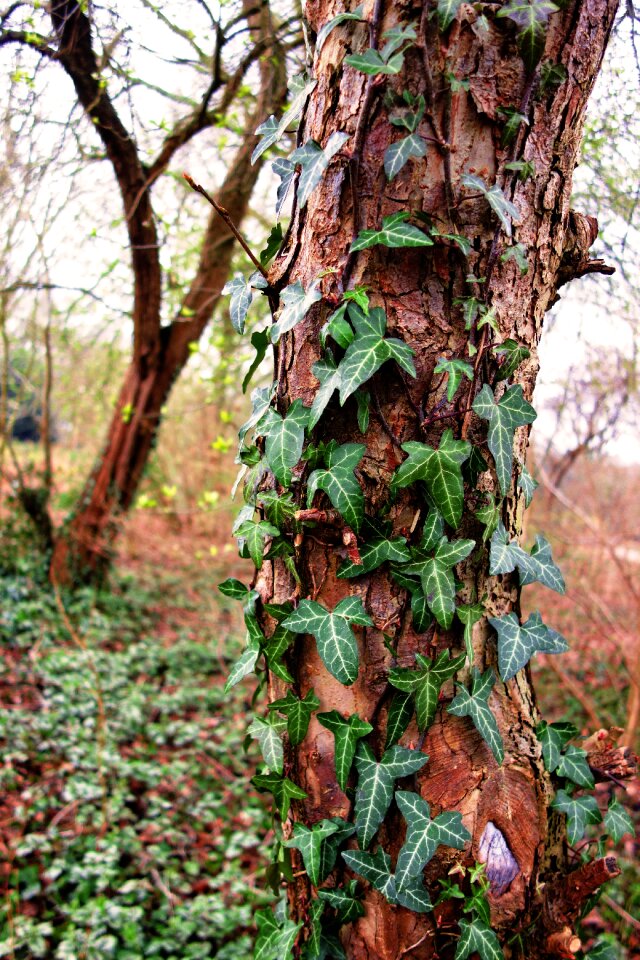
(581, 234)
(607, 760)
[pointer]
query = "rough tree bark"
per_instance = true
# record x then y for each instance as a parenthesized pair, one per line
(82, 547)
(418, 290)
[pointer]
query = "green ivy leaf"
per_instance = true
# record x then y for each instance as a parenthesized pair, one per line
(363, 399)
(603, 950)
(470, 614)
(272, 130)
(369, 350)
(267, 733)
(574, 766)
(338, 328)
(285, 169)
(518, 642)
(393, 233)
(245, 665)
(530, 18)
(260, 342)
(506, 212)
(283, 790)
(344, 901)
(618, 821)
(327, 373)
(298, 713)
(447, 12)
(580, 812)
(275, 648)
(438, 581)
(280, 509)
(489, 515)
(339, 482)
(241, 297)
(512, 354)
(528, 485)
(324, 31)
(517, 252)
(477, 937)
(376, 869)
(373, 554)
(440, 471)
(309, 842)
(275, 940)
(376, 782)
(476, 706)
(261, 399)
(425, 683)
(313, 946)
(425, 835)
(284, 439)
(537, 566)
(256, 533)
(314, 160)
(371, 63)
(274, 240)
(553, 737)
(455, 370)
(409, 119)
(399, 716)
(346, 734)
(296, 303)
(399, 152)
(238, 591)
(504, 416)
(334, 636)
(513, 121)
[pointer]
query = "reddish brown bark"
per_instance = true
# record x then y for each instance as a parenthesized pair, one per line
(418, 290)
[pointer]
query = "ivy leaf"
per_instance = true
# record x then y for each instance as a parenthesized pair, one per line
(553, 737)
(489, 515)
(530, 18)
(393, 233)
(603, 950)
(376, 782)
(447, 12)
(397, 154)
(399, 716)
(309, 842)
(296, 304)
(241, 297)
(334, 636)
(371, 63)
(337, 328)
(505, 555)
(329, 376)
(376, 869)
(284, 439)
(363, 399)
(425, 683)
(344, 901)
(272, 130)
(346, 734)
(285, 169)
(324, 31)
(261, 399)
(477, 937)
(256, 533)
(245, 665)
(279, 508)
(275, 648)
(313, 946)
(574, 766)
(512, 352)
(517, 252)
(275, 940)
(517, 643)
(438, 581)
(395, 38)
(283, 790)
(470, 614)
(504, 416)
(528, 485)
(267, 733)
(512, 123)
(506, 212)
(274, 240)
(455, 370)
(424, 835)
(238, 591)
(314, 160)
(618, 821)
(339, 482)
(580, 811)
(374, 554)
(475, 705)
(368, 351)
(298, 713)
(440, 471)
(260, 343)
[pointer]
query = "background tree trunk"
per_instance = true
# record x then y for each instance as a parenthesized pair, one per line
(418, 290)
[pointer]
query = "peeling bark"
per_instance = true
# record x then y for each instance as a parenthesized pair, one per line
(417, 289)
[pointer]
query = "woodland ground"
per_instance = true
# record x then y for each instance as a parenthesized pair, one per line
(127, 826)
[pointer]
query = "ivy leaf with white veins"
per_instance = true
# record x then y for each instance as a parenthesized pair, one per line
(286, 170)
(518, 642)
(447, 12)
(261, 399)
(238, 591)
(440, 471)
(477, 937)
(475, 705)
(438, 581)
(518, 253)
(241, 297)
(470, 614)
(283, 790)
(284, 439)
(275, 940)
(397, 154)
(346, 734)
(399, 717)
(376, 869)
(248, 659)
(553, 737)
(340, 484)
(267, 733)
(505, 555)
(425, 835)
(580, 812)
(375, 785)
(328, 374)
(334, 636)
(425, 683)
(309, 843)
(575, 767)
(314, 160)
(373, 554)
(618, 821)
(393, 233)
(528, 485)
(256, 533)
(506, 212)
(344, 901)
(530, 18)
(271, 130)
(504, 416)
(369, 350)
(324, 31)
(296, 303)
(298, 713)
(455, 370)
(514, 354)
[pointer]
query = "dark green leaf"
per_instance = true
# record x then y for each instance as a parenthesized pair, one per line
(335, 639)
(298, 713)
(506, 555)
(283, 790)
(397, 153)
(393, 233)
(376, 782)
(553, 737)
(530, 18)
(455, 370)
(518, 642)
(581, 811)
(478, 937)
(476, 706)
(618, 821)
(324, 31)
(340, 484)
(440, 471)
(424, 835)
(504, 416)
(314, 160)
(346, 734)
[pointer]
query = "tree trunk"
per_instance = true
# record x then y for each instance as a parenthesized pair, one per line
(83, 548)
(466, 75)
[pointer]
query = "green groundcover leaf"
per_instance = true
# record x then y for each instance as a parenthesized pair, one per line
(477, 937)
(581, 811)
(618, 821)
(275, 939)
